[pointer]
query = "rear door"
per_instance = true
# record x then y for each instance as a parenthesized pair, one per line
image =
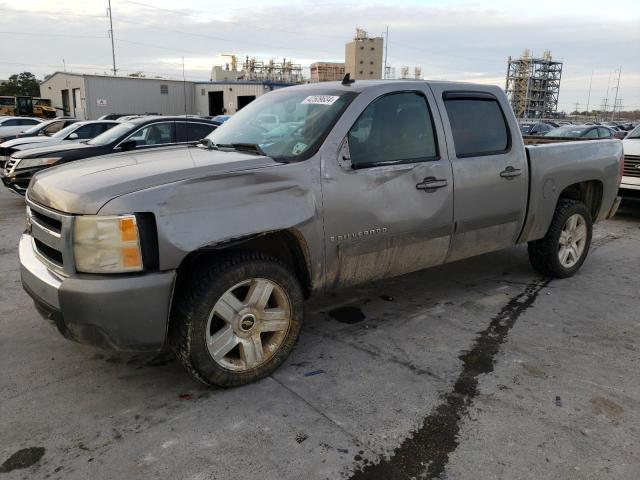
(489, 170)
(388, 195)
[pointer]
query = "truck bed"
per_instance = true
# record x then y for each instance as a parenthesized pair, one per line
(555, 166)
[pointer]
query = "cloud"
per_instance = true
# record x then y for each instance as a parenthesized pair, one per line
(454, 39)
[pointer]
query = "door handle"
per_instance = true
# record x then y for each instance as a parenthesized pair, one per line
(431, 184)
(510, 172)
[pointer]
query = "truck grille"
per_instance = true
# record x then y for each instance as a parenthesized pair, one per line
(51, 232)
(631, 166)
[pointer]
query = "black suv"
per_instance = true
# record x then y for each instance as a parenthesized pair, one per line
(138, 134)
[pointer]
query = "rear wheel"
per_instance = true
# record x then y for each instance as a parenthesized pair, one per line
(564, 248)
(238, 320)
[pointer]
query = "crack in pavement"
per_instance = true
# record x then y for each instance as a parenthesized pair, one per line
(428, 448)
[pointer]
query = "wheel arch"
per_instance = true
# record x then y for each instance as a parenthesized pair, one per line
(588, 192)
(288, 245)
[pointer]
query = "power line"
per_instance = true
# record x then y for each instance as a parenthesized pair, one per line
(40, 34)
(52, 13)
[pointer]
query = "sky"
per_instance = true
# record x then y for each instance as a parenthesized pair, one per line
(449, 39)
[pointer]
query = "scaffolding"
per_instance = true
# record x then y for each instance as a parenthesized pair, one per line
(533, 85)
(260, 71)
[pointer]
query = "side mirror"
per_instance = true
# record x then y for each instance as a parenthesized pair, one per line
(73, 136)
(128, 145)
(205, 142)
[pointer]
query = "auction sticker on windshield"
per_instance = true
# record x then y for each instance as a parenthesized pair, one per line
(321, 99)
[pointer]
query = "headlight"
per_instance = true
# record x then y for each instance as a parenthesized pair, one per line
(36, 162)
(106, 244)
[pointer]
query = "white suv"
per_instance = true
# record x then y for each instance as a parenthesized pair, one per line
(631, 175)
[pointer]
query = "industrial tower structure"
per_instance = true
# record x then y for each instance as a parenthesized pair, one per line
(533, 85)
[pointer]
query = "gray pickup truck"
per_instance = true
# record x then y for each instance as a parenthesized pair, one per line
(212, 249)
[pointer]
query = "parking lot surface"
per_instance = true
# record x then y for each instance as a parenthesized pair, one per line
(475, 370)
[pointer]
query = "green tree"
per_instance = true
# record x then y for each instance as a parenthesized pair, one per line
(24, 83)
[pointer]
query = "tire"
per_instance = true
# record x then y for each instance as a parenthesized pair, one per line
(546, 255)
(235, 321)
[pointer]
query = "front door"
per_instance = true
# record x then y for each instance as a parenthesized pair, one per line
(388, 197)
(489, 169)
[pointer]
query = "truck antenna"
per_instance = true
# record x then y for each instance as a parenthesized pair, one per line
(347, 79)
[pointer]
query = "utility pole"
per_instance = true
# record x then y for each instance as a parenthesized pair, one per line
(589, 95)
(113, 48)
(577, 104)
(606, 100)
(64, 65)
(615, 101)
(386, 49)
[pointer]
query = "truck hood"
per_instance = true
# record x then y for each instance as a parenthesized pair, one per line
(631, 146)
(84, 186)
(48, 150)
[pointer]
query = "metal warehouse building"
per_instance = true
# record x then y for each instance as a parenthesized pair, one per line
(215, 98)
(88, 96)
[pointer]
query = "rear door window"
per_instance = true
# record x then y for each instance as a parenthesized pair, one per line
(53, 128)
(604, 132)
(192, 131)
(593, 133)
(478, 124)
(197, 131)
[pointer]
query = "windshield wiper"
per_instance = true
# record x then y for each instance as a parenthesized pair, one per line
(249, 148)
(240, 147)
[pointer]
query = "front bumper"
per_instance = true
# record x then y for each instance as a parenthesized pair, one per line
(119, 312)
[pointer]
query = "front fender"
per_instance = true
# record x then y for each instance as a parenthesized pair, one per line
(208, 211)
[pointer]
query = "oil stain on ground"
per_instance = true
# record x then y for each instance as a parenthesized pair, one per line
(22, 459)
(425, 453)
(348, 314)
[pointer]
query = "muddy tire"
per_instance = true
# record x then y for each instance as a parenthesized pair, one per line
(235, 322)
(564, 248)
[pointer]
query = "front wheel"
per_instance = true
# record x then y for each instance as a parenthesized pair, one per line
(564, 248)
(237, 321)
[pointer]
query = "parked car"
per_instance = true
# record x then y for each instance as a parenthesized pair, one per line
(630, 185)
(212, 249)
(220, 119)
(47, 128)
(618, 132)
(13, 125)
(76, 132)
(535, 128)
(114, 116)
(139, 134)
(580, 131)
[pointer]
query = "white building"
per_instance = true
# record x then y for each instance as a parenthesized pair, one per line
(90, 96)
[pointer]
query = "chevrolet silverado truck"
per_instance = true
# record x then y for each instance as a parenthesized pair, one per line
(212, 249)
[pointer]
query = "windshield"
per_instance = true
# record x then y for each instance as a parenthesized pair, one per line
(635, 133)
(286, 124)
(65, 131)
(112, 134)
(525, 127)
(567, 131)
